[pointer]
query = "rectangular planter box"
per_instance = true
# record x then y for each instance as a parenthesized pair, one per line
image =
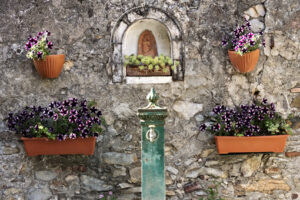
(135, 71)
(45, 146)
(234, 144)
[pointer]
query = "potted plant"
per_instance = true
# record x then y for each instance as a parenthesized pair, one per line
(148, 66)
(63, 127)
(243, 47)
(48, 66)
(248, 128)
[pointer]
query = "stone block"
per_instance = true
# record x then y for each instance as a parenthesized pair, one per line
(256, 25)
(93, 184)
(45, 175)
(265, 186)
(296, 102)
(135, 175)
(114, 158)
(250, 165)
(187, 109)
(171, 169)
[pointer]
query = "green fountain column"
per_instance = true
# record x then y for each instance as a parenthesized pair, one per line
(153, 157)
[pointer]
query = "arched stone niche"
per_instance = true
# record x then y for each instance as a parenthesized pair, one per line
(126, 32)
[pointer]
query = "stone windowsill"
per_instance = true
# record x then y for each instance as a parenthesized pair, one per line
(148, 79)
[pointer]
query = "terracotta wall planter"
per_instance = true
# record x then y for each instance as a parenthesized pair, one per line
(44, 146)
(135, 71)
(245, 63)
(51, 66)
(232, 144)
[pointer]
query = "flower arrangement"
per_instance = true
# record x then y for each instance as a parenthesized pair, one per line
(60, 120)
(243, 40)
(38, 47)
(257, 119)
(152, 64)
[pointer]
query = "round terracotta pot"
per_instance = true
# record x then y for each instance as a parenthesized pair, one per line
(51, 66)
(245, 63)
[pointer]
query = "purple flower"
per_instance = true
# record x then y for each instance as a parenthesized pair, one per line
(93, 109)
(99, 113)
(203, 127)
(88, 123)
(81, 126)
(57, 104)
(51, 105)
(260, 117)
(73, 112)
(36, 127)
(74, 103)
(264, 101)
(84, 133)
(110, 193)
(217, 110)
(63, 112)
(50, 45)
(39, 54)
(60, 137)
(66, 103)
(55, 116)
(216, 127)
(50, 113)
(248, 25)
(33, 41)
(101, 196)
(72, 119)
(48, 33)
(83, 103)
(250, 35)
(28, 45)
(224, 43)
(72, 136)
(252, 43)
(272, 106)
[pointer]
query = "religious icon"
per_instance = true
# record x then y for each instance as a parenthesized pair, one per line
(147, 44)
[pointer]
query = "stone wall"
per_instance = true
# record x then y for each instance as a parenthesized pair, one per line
(81, 30)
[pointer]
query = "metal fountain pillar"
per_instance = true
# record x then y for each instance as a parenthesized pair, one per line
(152, 119)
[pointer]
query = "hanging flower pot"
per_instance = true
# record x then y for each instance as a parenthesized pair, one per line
(243, 47)
(51, 66)
(45, 146)
(245, 63)
(38, 47)
(244, 144)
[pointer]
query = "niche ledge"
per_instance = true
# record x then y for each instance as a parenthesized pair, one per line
(149, 80)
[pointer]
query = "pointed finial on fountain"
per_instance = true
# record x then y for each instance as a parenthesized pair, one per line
(152, 97)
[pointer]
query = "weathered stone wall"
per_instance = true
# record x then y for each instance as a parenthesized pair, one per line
(81, 30)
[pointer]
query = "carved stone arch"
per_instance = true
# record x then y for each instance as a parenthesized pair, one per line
(136, 15)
